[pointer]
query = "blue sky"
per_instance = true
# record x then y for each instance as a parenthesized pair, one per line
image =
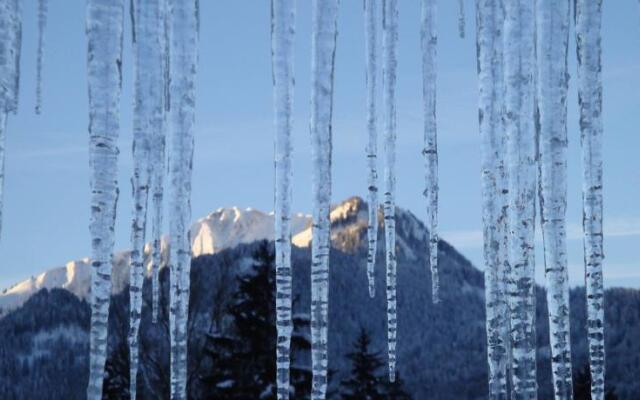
(47, 185)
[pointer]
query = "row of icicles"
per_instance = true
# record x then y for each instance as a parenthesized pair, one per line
(523, 128)
(523, 81)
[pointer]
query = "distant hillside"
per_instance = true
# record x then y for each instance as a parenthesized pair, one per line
(441, 349)
(221, 229)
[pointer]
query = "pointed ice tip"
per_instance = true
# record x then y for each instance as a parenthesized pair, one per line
(392, 376)
(372, 291)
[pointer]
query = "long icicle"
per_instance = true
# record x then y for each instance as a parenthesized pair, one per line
(370, 38)
(104, 47)
(283, 13)
(429, 41)
(10, 48)
(158, 169)
(183, 66)
(148, 124)
(552, 30)
(389, 65)
(3, 139)
(490, 17)
(323, 50)
(12, 36)
(588, 14)
(505, 275)
(42, 23)
(521, 154)
(461, 19)
(140, 190)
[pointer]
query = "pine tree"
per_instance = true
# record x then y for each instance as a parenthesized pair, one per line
(253, 314)
(582, 386)
(395, 390)
(363, 383)
(243, 361)
(116, 371)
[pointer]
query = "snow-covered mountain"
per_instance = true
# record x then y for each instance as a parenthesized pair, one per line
(439, 346)
(228, 227)
(222, 229)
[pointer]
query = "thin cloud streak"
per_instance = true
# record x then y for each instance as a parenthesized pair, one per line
(50, 152)
(613, 227)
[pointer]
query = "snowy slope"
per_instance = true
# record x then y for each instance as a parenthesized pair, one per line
(349, 228)
(74, 277)
(228, 227)
(224, 228)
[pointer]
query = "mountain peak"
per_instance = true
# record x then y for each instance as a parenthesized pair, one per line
(353, 207)
(222, 229)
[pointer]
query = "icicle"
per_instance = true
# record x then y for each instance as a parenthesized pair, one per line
(10, 47)
(552, 29)
(389, 63)
(521, 155)
(16, 26)
(429, 41)
(588, 14)
(372, 146)
(157, 192)
(282, 36)
(167, 58)
(148, 131)
(158, 156)
(42, 23)
(132, 18)
(461, 19)
(3, 131)
(323, 50)
(490, 17)
(104, 36)
(11, 38)
(184, 57)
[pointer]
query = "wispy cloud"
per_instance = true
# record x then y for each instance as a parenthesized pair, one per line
(613, 227)
(464, 239)
(51, 152)
(615, 275)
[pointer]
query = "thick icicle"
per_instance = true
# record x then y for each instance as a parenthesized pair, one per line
(588, 14)
(158, 157)
(10, 49)
(461, 19)
(10, 46)
(490, 18)
(283, 14)
(104, 36)
(148, 124)
(157, 196)
(552, 30)
(323, 50)
(42, 23)
(389, 64)
(521, 154)
(183, 65)
(3, 132)
(429, 41)
(370, 39)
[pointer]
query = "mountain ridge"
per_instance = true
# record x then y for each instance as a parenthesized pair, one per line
(221, 229)
(440, 347)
